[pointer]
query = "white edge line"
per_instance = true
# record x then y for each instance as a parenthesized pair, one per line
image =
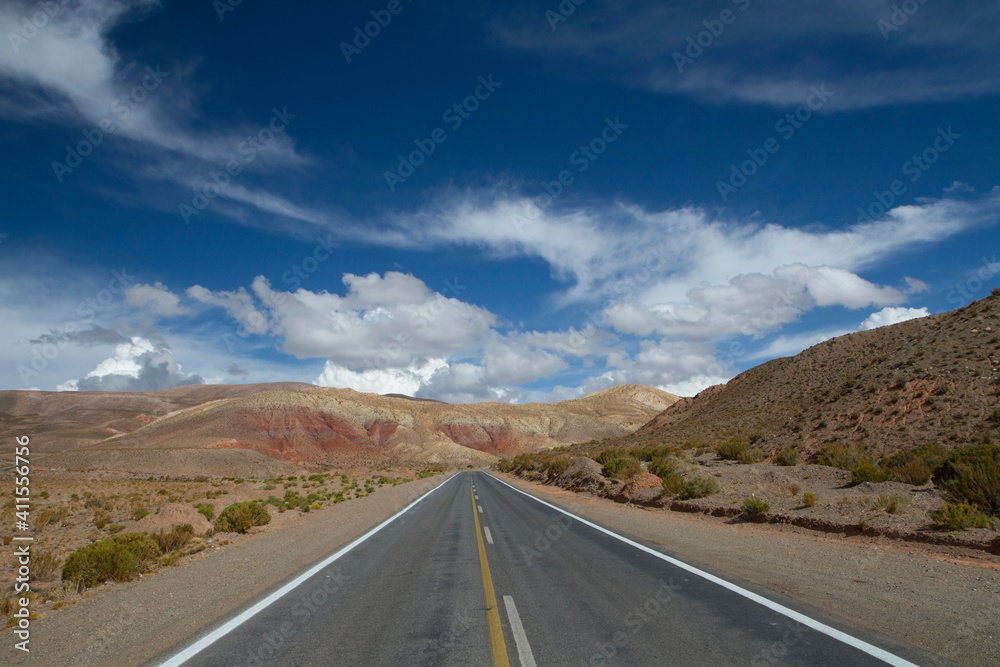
(480, 508)
(850, 640)
(223, 630)
(520, 638)
(489, 538)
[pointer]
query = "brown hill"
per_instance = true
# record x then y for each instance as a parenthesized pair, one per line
(220, 427)
(934, 379)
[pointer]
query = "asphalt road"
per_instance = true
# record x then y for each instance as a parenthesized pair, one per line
(478, 573)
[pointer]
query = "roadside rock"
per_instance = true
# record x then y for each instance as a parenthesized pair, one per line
(638, 484)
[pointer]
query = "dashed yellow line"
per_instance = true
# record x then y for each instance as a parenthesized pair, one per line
(497, 644)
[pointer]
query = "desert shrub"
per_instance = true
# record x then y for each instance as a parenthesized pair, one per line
(118, 558)
(808, 499)
(49, 515)
(672, 481)
(241, 517)
(43, 564)
(754, 506)
(866, 471)
(914, 466)
(839, 455)
(101, 519)
(652, 452)
(93, 503)
(206, 510)
(751, 455)
(623, 469)
(789, 456)
(139, 513)
(730, 450)
(972, 475)
(175, 539)
(610, 454)
(698, 487)
(116, 528)
(557, 467)
(504, 465)
(959, 516)
(891, 503)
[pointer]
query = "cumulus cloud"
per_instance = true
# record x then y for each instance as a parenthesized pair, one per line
(156, 298)
(137, 365)
(888, 316)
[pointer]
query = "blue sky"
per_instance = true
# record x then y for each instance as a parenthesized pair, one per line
(483, 201)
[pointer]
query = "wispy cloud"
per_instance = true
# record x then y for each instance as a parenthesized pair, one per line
(940, 52)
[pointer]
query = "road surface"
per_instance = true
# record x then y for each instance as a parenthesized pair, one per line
(479, 573)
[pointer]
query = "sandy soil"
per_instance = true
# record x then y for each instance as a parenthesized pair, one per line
(943, 599)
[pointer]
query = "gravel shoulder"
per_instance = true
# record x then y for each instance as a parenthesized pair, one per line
(131, 624)
(945, 600)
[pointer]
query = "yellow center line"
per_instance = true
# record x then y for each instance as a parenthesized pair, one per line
(497, 644)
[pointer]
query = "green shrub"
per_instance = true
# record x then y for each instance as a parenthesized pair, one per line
(206, 510)
(115, 528)
(730, 450)
(652, 452)
(808, 499)
(139, 513)
(241, 517)
(754, 506)
(504, 465)
(118, 558)
(623, 469)
(891, 503)
(611, 454)
(959, 516)
(175, 539)
(866, 471)
(101, 519)
(672, 481)
(838, 455)
(972, 475)
(751, 455)
(914, 466)
(789, 456)
(698, 487)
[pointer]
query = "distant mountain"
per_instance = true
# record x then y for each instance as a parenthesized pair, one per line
(933, 379)
(153, 433)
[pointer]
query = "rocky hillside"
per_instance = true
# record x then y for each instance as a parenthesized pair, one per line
(931, 380)
(304, 424)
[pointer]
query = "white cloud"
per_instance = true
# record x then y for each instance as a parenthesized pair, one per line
(407, 381)
(137, 365)
(888, 316)
(156, 298)
(238, 304)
